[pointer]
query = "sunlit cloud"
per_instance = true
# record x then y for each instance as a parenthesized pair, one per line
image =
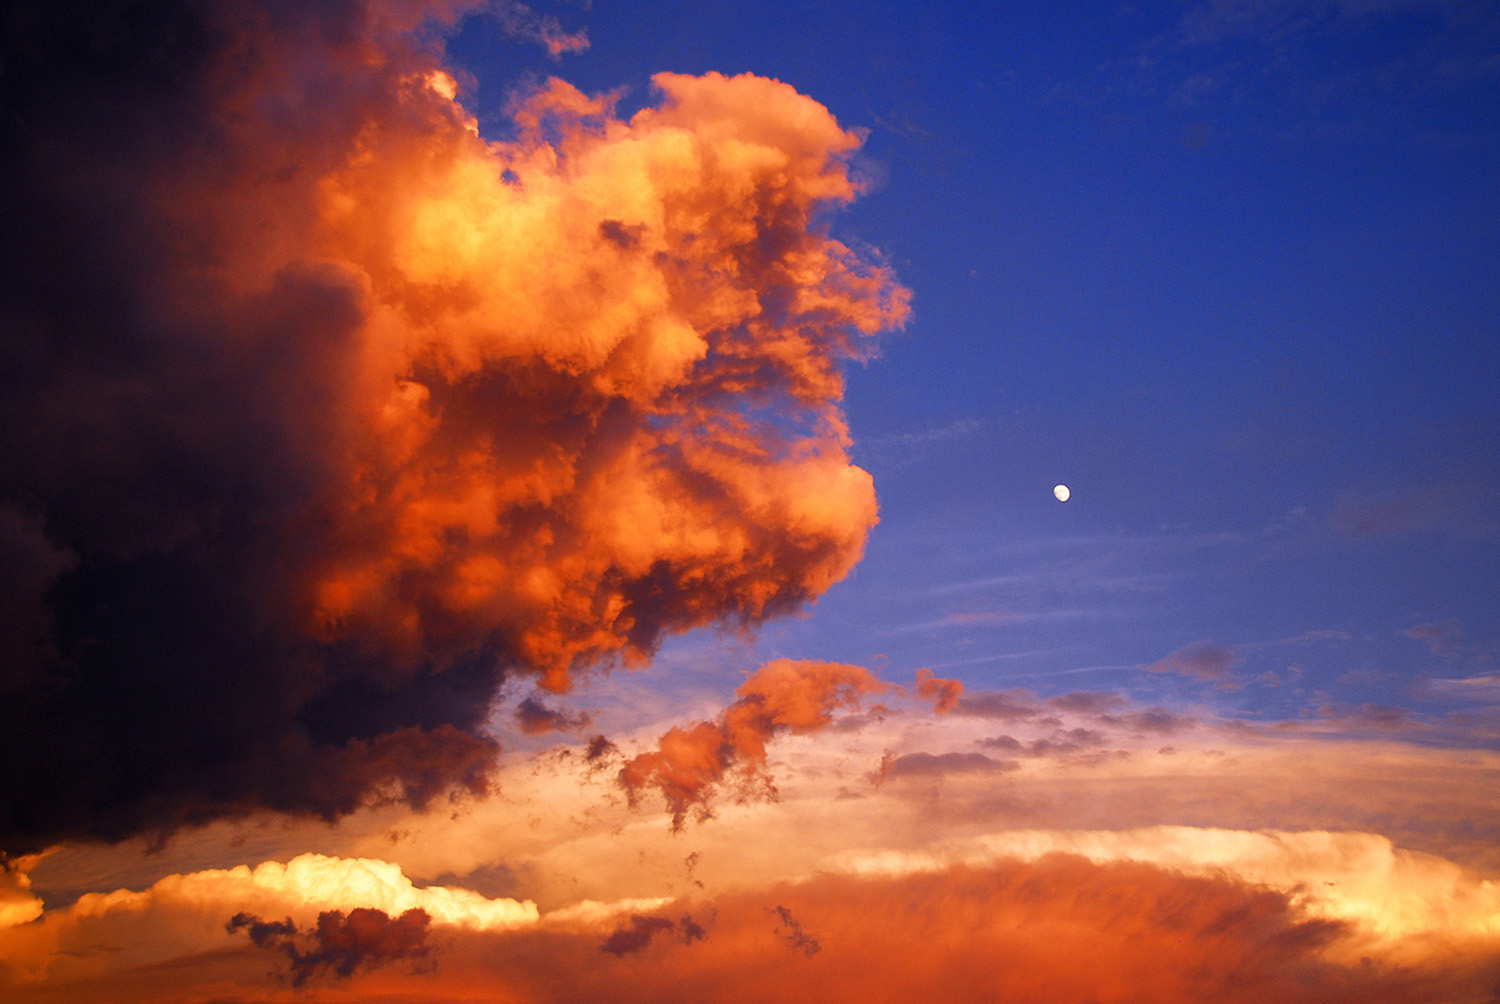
(434, 411)
(692, 763)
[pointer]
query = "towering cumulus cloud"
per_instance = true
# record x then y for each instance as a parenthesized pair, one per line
(319, 413)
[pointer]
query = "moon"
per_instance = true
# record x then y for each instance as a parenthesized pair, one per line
(1062, 493)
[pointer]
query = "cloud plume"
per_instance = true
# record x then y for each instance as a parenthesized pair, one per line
(691, 764)
(322, 414)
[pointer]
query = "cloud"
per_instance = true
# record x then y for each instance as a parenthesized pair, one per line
(940, 764)
(1060, 927)
(1060, 743)
(323, 415)
(1088, 701)
(18, 905)
(311, 881)
(187, 912)
(1385, 717)
(1450, 506)
(1442, 638)
(1157, 721)
(1356, 879)
(526, 24)
(1006, 706)
(1202, 660)
(638, 931)
(365, 939)
(792, 933)
(1482, 689)
(535, 718)
(944, 694)
(785, 695)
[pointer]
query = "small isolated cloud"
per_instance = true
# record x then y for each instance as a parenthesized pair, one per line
(600, 750)
(944, 694)
(1442, 638)
(1151, 721)
(340, 945)
(638, 931)
(1383, 717)
(1060, 743)
(1001, 705)
(1204, 660)
(792, 933)
(1483, 689)
(521, 22)
(786, 695)
(535, 718)
(940, 764)
(902, 449)
(1088, 702)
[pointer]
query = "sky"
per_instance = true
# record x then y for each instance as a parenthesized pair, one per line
(555, 503)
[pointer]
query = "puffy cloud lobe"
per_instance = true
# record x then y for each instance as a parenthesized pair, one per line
(944, 694)
(18, 905)
(364, 939)
(785, 695)
(317, 881)
(321, 414)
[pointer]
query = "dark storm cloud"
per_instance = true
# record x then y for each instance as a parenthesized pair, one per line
(157, 432)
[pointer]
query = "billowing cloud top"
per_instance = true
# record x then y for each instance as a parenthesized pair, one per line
(321, 413)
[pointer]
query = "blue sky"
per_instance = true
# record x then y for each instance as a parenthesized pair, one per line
(1229, 270)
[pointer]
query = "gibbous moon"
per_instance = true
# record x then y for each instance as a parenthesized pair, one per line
(1062, 493)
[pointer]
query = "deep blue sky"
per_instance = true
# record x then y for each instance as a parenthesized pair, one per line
(1230, 270)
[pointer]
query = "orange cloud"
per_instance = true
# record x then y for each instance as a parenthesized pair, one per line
(944, 694)
(1056, 930)
(784, 695)
(340, 413)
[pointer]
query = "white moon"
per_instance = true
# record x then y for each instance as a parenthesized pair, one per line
(1062, 493)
